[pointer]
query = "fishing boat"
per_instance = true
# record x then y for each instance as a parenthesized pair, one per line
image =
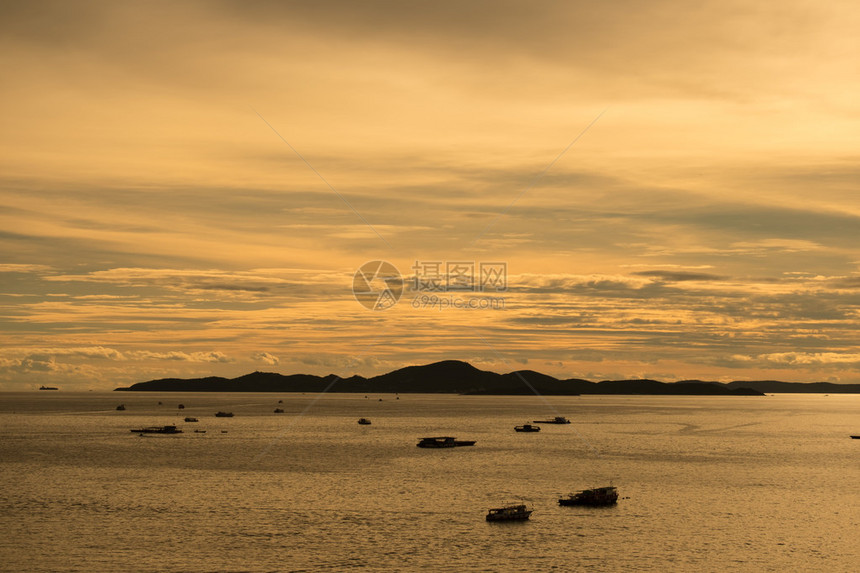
(223, 414)
(172, 429)
(509, 513)
(121, 407)
(189, 419)
(47, 388)
(855, 437)
(364, 421)
(556, 420)
(594, 497)
(444, 442)
(527, 428)
(279, 410)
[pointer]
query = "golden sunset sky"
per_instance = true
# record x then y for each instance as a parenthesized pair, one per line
(187, 188)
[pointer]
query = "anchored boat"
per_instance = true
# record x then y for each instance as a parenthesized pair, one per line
(594, 497)
(527, 428)
(509, 513)
(158, 430)
(444, 442)
(556, 420)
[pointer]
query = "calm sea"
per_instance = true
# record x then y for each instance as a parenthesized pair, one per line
(708, 483)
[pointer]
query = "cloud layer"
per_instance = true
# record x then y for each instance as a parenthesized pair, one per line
(152, 224)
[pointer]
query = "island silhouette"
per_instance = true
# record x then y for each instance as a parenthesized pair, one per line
(457, 377)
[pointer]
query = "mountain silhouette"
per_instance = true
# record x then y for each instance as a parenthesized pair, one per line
(457, 377)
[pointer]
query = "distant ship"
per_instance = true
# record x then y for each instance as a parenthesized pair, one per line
(158, 430)
(121, 407)
(192, 420)
(47, 388)
(279, 410)
(527, 428)
(444, 442)
(556, 420)
(223, 414)
(597, 496)
(509, 513)
(364, 421)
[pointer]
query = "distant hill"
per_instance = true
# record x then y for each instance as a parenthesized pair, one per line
(776, 387)
(456, 377)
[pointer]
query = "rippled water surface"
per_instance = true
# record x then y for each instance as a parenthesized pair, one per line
(708, 483)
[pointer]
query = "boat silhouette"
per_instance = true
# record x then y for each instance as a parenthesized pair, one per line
(444, 442)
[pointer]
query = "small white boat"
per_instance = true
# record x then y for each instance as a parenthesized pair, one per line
(509, 513)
